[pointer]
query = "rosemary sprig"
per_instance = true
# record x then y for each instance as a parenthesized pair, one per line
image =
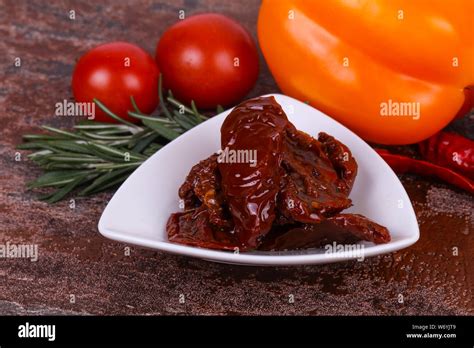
(93, 156)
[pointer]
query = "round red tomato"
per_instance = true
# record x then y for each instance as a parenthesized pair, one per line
(112, 73)
(208, 58)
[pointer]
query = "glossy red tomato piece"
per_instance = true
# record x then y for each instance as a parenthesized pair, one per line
(208, 58)
(112, 73)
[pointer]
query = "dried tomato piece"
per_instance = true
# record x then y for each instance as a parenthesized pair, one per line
(312, 188)
(202, 186)
(342, 160)
(342, 229)
(250, 188)
(194, 228)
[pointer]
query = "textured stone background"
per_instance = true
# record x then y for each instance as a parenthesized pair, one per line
(76, 260)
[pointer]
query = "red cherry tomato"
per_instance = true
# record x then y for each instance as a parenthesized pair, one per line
(208, 58)
(112, 73)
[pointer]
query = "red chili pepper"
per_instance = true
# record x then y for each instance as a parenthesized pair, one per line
(450, 150)
(403, 164)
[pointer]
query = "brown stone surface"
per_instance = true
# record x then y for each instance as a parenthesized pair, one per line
(75, 260)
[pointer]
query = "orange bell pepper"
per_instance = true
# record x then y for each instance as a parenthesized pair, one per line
(392, 71)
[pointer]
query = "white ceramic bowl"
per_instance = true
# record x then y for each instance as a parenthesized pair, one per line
(138, 212)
